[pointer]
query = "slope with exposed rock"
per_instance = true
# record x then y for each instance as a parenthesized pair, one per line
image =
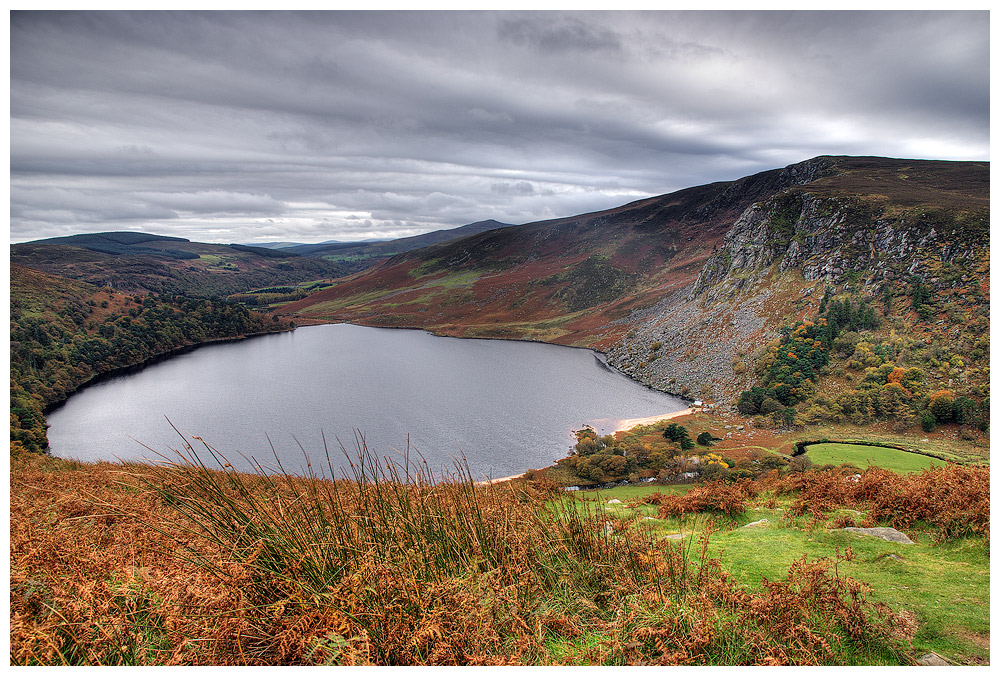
(870, 230)
(684, 290)
(574, 281)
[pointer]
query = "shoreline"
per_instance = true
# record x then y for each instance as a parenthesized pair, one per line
(621, 426)
(487, 482)
(629, 423)
(116, 372)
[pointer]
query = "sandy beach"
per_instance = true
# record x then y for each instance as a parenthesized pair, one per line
(621, 426)
(628, 424)
(487, 482)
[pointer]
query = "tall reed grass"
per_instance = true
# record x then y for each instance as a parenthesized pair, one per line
(394, 565)
(192, 562)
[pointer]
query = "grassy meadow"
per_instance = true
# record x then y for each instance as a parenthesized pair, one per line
(193, 563)
(943, 584)
(863, 457)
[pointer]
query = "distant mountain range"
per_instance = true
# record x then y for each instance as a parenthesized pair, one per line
(149, 262)
(287, 245)
(131, 261)
(347, 251)
(681, 290)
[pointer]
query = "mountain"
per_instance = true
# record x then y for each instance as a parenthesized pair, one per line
(273, 245)
(131, 261)
(685, 290)
(125, 243)
(571, 280)
(367, 253)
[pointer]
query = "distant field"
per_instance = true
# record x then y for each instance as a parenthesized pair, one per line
(891, 459)
(633, 492)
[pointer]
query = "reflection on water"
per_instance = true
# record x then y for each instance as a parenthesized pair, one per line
(504, 406)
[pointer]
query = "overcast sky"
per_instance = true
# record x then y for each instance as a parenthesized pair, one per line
(255, 127)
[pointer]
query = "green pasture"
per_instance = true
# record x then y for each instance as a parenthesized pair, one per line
(863, 457)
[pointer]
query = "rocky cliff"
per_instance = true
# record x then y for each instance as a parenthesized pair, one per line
(867, 226)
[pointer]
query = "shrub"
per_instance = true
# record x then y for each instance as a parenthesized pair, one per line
(770, 405)
(942, 405)
(928, 422)
(965, 411)
(712, 496)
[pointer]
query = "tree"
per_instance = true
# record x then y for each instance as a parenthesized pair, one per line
(788, 416)
(927, 422)
(706, 439)
(965, 411)
(679, 435)
(942, 405)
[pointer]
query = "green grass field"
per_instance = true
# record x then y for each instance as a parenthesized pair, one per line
(863, 457)
(945, 585)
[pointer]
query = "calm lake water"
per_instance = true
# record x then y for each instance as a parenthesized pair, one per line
(505, 406)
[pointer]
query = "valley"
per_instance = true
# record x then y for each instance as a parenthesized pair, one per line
(838, 306)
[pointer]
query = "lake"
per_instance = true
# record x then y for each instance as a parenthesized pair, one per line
(505, 406)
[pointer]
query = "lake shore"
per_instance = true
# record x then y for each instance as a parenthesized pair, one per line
(487, 482)
(629, 423)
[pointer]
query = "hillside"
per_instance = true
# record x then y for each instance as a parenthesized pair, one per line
(139, 262)
(365, 254)
(684, 290)
(908, 238)
(64, 333)
(571, 281)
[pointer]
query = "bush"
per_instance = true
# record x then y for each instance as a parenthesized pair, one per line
(942, 405)
(928, 422)
(771, 405)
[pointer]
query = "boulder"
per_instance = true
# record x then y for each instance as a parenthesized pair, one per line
(889, 534)
(933, 660)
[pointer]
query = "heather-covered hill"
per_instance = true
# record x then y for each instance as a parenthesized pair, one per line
(139, 262)
(591, 279)
(569, 280)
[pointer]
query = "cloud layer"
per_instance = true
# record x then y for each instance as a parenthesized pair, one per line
(241, 127)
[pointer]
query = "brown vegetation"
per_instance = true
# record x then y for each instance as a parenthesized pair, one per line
(953, 500)
(180, 564)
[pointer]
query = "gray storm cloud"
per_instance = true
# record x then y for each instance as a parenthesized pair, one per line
(255, 126)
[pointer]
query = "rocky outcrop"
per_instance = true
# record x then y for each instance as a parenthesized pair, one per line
(835, 240)
(778, 256)
(686, 348)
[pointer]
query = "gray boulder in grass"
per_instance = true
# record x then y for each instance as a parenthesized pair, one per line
(889, 534)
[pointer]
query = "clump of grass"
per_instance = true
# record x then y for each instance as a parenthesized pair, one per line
(712, 496)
